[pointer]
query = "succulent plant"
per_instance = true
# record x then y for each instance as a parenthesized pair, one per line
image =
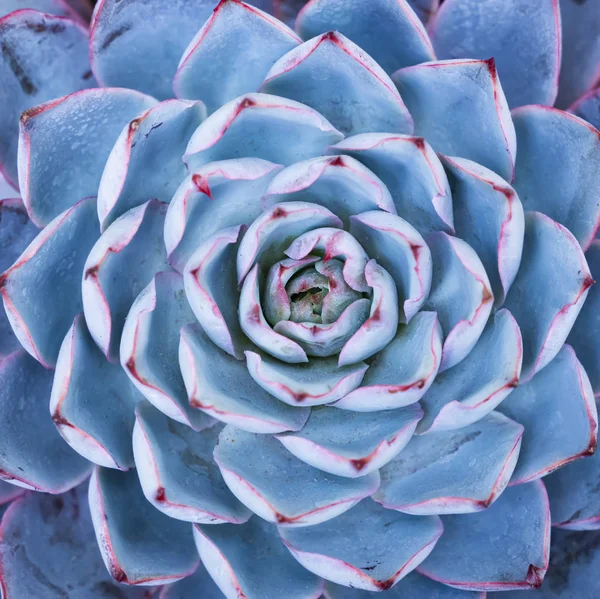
(299, 314)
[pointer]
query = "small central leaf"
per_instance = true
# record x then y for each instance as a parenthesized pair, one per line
(306, 292)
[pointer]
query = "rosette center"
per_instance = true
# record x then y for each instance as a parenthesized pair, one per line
(306, 292)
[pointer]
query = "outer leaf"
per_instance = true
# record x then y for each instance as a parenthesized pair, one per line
(573, 561)
(519, 525)
(199, 581)
(588, 107)
(7, 191)
(550, 253)
(128, 49)
(352, 444)
(211, 289)
(221, 386)
(92, 401)
(145, 161)
(48, 550)
(150, 344)
(368, 547)
(58, 8)
(32, 453)
(251, 561)
(218, 195)
(341, 81)
(389, 31)
(460, 294)
(584, 334)
(489, 217)
(8, 492)
(83, 7)
(315, 383)
(523, 37)
(44, 57)
(564, 185)
(562, 392)
(284, 10)
(401, 251)
(414, 586)
(16, 232)
(177, 472)
(340, 183)
(425, 10)
(139, 545)
(257, 467)
(473, 90)
(453, 472)
(51, 266)
(239, 40)
(260, 126)
(121, 263)
(466, 393)
(581, 50)
(411, 171)
(403, 371)
(79, 130)
(271, 232)
(573, 492)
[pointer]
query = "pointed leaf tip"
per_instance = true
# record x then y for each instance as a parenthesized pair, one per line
(429, 88)
(256, 467)
(133, 535)
(523, 38)
(378, 106)
(389, 31)
(518, 558)
(368, 547)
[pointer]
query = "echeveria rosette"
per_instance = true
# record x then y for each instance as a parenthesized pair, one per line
(323, 323)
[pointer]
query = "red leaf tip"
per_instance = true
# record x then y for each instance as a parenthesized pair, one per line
(384, 585)
(279, 212)
(535, 576)
(360, 463)
(223, 3)
(331, 36)
(419, 142)
(60, 420)
(281, 519)
(491, 64)
(133, 125)
(247, 103)
(91, 272)
(201, 184)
